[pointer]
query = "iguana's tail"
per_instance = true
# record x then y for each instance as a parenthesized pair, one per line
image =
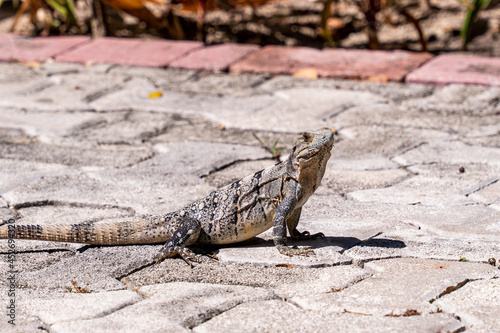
(144, 231)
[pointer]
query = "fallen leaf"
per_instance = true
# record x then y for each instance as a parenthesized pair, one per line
(334, 23)
(155, 94)
(377, 78)
(32, 64)
(285, 265)
(306, 73)
(333, 290)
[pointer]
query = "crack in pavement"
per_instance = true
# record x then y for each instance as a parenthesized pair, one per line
(49, 202)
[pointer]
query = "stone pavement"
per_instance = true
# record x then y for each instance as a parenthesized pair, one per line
(410, 202)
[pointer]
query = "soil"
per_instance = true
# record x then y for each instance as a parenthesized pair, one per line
(296, 22)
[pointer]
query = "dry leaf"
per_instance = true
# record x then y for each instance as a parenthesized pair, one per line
(32, 64)
(285, 265)
(306, 73)
(155, 94)
(377, 78)
(334, 23)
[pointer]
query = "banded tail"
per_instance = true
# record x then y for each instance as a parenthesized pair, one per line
(144, 231)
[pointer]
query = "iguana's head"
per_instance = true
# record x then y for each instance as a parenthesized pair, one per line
(314, 142)
(309, 158)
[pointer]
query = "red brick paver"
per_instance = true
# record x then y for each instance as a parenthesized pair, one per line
(134, 52)
(446, 69)
(334, 63)
(214, 58)
(16, 48)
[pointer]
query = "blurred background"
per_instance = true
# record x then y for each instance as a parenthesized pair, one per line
(419, 25)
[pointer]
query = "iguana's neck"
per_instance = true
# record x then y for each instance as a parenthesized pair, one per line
(311, 171)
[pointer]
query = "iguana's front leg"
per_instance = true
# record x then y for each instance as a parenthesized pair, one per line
(186, 234)
(283, 213)
(292, 222)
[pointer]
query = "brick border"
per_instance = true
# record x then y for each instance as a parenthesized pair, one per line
(369, 65)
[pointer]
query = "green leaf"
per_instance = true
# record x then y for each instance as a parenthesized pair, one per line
(470, 18)
(325, 14)
(61, 8)
(70, 5)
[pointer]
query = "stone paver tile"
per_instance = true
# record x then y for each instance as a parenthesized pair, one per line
(477, 304)
(335, 63)
(366, 163)
(166, 79)
(319, 281)
(59, 68)
(448, 120)
(111, 156)
(449, 152)
(16, 48)
(439, 232)
(135, 96)
(288, 109)
(403, 244)
(98, 267)
(449, 68)
(484, 130)
(399, 285)
(342, 181)
(222, 84)
(326, 253)
(171, 305)
(477, 223)
(69, 92)
(198, 159)
(121, 127)
(136, 52)
(13, 73)
(25, 263)
(394, 91)
(488, 192)
(214, 58)
(17, 173)
(278, 316)
(35, 124)
(73, 306)
(417, 190)
(455, 101)
(365, 141)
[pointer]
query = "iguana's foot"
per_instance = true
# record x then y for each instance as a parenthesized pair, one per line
(185, 235)
(294, 251)
(297, 235)
(186, 254)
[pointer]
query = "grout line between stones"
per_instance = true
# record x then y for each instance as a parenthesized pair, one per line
(71, 204)
(451, 289)
(227, 165)
(72, 48)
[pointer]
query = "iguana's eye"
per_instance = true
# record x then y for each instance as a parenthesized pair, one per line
(307, 137)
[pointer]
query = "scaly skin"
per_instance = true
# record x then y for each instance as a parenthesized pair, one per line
(272, 197)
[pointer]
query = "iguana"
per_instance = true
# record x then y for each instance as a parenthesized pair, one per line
(272, 197)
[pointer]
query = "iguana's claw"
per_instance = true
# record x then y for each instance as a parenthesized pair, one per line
(186, 254)
(306, 235)
(294, 251)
